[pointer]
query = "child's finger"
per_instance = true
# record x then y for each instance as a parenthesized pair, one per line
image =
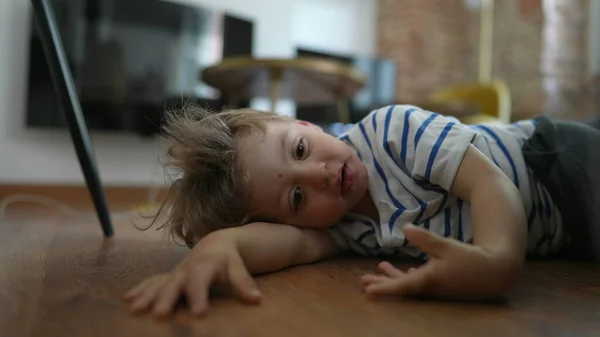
(389, 287)
(242, 282)
(197, 286)
(147, 296)
(372, 279)
(391, 271)
(412, 284)
(168, 297)
(427, 241)
(135, 291)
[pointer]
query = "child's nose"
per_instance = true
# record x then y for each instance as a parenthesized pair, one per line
(316, 175)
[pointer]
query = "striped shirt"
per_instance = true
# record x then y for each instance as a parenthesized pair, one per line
(412, 157)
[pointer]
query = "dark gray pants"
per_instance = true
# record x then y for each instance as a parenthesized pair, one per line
(594, 122)
(565, 156)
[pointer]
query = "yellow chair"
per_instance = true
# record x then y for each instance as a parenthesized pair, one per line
(492, 99)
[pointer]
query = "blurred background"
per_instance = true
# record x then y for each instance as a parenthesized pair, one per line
(131, 59)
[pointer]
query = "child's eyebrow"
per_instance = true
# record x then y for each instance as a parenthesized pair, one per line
(287, 139)
(285, 159)
(283, 141)
(284, 138)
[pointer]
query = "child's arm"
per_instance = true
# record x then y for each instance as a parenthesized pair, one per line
(486, 269)
(267, 247)
(230, 256)
(497, 212)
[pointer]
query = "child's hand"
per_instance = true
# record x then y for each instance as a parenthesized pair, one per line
(212, 260)
(454, 270)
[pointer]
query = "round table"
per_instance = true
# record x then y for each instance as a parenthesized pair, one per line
(304, 80)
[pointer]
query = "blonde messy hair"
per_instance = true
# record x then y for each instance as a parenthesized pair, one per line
(211, 190)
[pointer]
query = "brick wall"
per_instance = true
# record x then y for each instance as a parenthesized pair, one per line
(565, 59)
(430, 41)
(518, 26)
(435, 43)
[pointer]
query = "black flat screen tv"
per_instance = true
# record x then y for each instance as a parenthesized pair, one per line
(132, 59)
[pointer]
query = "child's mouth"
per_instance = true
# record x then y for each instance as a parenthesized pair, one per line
(346, 179)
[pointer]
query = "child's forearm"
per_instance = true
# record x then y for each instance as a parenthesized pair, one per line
(497, 213)
(499, 219)
(228, 256)
(499, 227)
(266, 247)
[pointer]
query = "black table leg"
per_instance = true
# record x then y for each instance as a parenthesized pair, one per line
(69, 103)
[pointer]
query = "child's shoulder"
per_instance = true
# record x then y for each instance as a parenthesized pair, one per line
(396, 109)
(399, 116)
(385, 122)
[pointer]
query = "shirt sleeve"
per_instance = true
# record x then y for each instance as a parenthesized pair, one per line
(428, 145)
(413, 156)
(360, 236)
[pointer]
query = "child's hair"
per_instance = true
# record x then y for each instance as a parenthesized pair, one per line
(211, 190)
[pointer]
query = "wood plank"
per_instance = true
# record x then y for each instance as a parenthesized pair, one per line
(24, 242)
(71, 285)
(87, 276)
(77, 196)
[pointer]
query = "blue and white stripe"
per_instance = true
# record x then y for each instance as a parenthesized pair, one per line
(412, 157)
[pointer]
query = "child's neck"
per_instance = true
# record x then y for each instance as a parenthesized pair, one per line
(366, 207)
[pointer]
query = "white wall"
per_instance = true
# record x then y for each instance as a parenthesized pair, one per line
(37, 156)
(340, 26)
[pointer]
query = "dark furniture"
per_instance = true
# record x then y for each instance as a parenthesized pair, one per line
(305, 80)
(128, 65)
(69, 104)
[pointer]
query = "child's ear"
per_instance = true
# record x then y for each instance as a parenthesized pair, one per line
(310, 125)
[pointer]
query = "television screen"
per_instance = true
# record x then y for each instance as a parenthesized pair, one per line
(132, 59)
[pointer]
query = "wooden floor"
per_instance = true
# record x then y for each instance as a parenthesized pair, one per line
(59, 277)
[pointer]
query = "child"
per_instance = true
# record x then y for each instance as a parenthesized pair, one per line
(260, 192)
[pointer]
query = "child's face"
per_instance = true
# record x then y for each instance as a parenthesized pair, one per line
(301, 176)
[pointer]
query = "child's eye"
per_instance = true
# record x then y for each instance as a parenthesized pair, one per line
(297, 197)
(300, 149)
